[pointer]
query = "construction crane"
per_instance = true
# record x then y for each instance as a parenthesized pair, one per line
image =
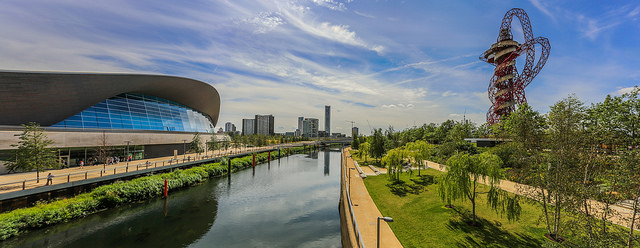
(370, 129)
(506, 89)
(352, 122)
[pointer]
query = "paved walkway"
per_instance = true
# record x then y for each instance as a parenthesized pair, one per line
(366, 212)
(16, 181)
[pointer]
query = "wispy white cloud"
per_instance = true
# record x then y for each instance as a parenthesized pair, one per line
(624, 90)
(265, 22)
(540, 6)
(331, 4)
(364, 15)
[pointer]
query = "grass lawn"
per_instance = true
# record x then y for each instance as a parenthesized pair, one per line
(421, 220)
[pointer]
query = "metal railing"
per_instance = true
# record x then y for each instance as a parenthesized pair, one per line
(354, 222)
(112, 170)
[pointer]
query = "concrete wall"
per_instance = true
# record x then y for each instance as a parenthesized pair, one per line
(93, 138)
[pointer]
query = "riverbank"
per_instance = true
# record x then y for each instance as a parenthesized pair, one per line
(46, 214)
(358, 211)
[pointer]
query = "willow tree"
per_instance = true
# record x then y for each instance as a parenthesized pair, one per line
(364, 150)
(393, 160)
(464, 174)
(420, 151)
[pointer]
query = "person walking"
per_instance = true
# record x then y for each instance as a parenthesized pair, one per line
(49, 179)
(81, 164)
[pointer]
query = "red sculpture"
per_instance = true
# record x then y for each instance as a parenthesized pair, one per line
(506, 89)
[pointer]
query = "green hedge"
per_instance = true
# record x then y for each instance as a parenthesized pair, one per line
(45, 214)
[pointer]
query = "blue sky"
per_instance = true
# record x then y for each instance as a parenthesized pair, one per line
(399, 63)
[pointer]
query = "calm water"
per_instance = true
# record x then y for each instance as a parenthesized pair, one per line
(291, 202)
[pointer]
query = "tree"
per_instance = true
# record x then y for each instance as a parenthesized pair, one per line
(464, 173)
(213, 143)
(420, 151)
(364, 150)
(32, 152)
(377, 144)
(355, 143)
(565, 143)
(196, 144)
(102, 151)
(393, 160)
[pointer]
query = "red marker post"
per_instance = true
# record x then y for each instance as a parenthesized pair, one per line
(269, 160)
(254, 160)
(165, 188)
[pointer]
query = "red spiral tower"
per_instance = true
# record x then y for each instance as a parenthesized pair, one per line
(506, 89)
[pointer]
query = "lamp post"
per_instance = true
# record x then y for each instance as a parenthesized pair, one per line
(386, 219)
(184, 150)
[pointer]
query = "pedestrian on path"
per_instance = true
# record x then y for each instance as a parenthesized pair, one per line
(49, 179)
(81, 164)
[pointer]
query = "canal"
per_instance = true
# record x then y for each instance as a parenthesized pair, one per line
(290, 202)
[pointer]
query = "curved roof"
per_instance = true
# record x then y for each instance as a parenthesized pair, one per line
(50, 97)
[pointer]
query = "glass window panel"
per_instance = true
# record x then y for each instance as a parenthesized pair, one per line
(104, 125)
(103, 120)
(90, 124)
(136, 111)
(75, 118)
(73, 124)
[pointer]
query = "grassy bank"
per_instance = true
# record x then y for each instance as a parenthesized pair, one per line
(421, 220)
(49, 213)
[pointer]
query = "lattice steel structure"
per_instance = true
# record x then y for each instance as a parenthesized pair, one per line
(506, 89)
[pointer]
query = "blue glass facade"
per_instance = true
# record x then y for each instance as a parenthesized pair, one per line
(141, 112)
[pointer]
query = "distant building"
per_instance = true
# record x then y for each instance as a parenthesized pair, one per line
(327, 119)
(354, 132)
(337, 135)
(264, 124)
(220, 130)
(299, 130)
(322, 134)
(248, 126)
(229, 127)
(310, 127)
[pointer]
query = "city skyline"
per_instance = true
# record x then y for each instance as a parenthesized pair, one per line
(383, 63)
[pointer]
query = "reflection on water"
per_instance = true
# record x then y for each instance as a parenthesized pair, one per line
(326, 163)
(293, 204)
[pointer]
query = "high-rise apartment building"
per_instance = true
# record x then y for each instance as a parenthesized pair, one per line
(264, 124)
(229, 127)
(354, 132)
(248, 126)
(327, 120)
(310, 127)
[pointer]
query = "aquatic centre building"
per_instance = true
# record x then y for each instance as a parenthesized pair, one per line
(141, 116)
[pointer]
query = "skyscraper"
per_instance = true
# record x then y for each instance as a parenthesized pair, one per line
(327, 119)
(264, 124)
(248, 126)
(299, 130)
